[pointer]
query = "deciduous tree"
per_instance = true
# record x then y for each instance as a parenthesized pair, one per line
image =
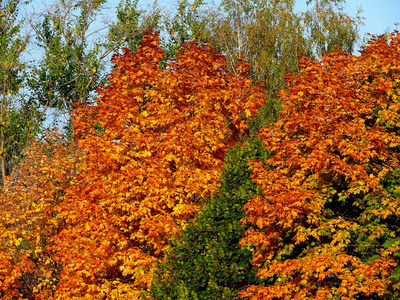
(70, 67)
(19, 118)
(270, 35)
(327, 222)
(154, 143)
(29, 219)
(76, 44)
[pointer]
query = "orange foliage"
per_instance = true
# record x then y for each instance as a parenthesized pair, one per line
(326, 226)
(153, 146)
(29, 220)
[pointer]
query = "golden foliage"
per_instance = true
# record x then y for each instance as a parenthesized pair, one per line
(153, 146)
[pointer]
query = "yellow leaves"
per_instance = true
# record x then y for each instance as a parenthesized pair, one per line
(31, 203)
(145, 154)
(17, 242)
(170, 157)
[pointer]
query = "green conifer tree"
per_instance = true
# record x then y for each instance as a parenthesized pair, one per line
(206, 261)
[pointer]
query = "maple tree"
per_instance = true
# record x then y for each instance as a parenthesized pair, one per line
(153, 146)
(29, 218)
(327, 223)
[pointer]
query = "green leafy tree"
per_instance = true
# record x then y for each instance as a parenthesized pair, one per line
(270, 35)
(70, 68)
(326, 27)
(19, 119)
(127, 30)
(206, 261)
(76, 44)
(187, 23)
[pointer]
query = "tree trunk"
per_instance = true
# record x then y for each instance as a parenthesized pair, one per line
(2, 133)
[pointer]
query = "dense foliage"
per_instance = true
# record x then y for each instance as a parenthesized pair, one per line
(152, 147)
(327, 222)
(57, 54)
(205, 261)
(30, 202)
(175, 179)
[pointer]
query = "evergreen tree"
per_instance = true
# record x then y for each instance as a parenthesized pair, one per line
(206, 261)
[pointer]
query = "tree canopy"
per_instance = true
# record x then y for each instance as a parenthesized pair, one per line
(177, 177)
(152, 147)
(326, 224)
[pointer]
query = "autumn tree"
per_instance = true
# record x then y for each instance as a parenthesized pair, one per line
(205, 260)
(29, 219)
(327, 222)
(153, 145)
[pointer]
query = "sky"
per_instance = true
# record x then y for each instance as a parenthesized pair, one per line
(379, 15)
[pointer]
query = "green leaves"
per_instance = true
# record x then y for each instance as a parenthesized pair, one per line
(127, 30)
(70, 69)
(205, 261)
(19, 118)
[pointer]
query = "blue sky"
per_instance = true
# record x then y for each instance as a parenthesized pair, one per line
(379, 15)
